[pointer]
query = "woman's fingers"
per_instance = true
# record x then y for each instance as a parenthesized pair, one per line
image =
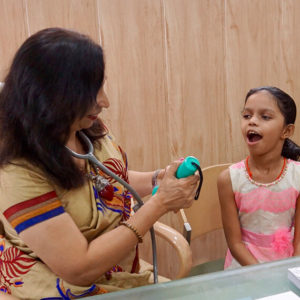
(172, 168)
(177, 193)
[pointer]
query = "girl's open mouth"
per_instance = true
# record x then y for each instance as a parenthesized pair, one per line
(253, 136)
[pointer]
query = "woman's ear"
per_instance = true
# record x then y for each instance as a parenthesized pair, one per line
(288, 131)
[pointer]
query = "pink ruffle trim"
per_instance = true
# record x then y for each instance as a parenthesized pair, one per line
(282, 242)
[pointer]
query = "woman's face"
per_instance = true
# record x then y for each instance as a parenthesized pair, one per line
(92, 114)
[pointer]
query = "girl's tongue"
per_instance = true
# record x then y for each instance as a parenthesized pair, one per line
(254, 137)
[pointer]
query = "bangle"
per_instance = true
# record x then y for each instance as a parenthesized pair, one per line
(154, 177)
(131, 227)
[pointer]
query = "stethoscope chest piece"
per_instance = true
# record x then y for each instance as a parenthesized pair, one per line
(102, 186)
(99, 181)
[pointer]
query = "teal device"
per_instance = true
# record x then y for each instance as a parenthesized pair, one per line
(187, 168)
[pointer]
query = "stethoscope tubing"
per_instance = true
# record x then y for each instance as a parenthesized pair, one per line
(91, 157)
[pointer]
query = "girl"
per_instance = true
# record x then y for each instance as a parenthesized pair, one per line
(258, 195)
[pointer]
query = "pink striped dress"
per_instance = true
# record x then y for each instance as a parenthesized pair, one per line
(266, 212)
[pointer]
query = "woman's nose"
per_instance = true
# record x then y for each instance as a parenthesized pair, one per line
(102, 99)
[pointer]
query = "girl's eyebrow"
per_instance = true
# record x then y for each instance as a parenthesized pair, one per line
(245, 109)
(264, 110)
(267, 110)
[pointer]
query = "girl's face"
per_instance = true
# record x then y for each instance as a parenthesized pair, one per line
(92, 114)
(263, 125)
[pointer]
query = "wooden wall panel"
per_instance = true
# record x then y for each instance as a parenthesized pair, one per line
(253, 57)
(195, 72)
(177, 70)
(133, 41)
(290, 45)
(13, 31)
(80, 15)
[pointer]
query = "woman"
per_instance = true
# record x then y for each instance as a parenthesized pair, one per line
(62, 234)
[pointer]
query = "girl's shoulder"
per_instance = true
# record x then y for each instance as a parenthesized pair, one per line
(294, 162)
(238, 165)
(292, 174)
(237, 169)
(237, 174)
(233, 168)
(293, 167)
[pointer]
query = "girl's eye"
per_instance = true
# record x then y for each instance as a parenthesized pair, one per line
(264, 117)
(246, 116)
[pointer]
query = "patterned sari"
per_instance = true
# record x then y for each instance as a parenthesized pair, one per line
(27, 198)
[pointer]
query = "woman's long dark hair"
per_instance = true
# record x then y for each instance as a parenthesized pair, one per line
(54, 79)
(288, 109)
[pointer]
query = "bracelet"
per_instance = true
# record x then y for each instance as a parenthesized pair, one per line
(154, 177)
(131, 227)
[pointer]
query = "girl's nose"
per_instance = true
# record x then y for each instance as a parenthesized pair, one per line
(102, 99)
(253, 120)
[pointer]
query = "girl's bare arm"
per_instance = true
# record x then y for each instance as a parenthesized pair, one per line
(296, 241)
(231, 222)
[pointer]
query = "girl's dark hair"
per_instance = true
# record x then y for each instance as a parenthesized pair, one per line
(288, 109)
(54, 79)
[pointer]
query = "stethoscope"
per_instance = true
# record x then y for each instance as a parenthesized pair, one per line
(91, 157)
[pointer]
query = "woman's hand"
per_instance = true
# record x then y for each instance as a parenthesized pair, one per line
(160, 176)
(174, 193)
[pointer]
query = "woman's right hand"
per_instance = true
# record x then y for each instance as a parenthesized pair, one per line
(173, 193)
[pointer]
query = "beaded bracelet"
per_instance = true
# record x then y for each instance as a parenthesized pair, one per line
(154, 177)
(131, 227)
